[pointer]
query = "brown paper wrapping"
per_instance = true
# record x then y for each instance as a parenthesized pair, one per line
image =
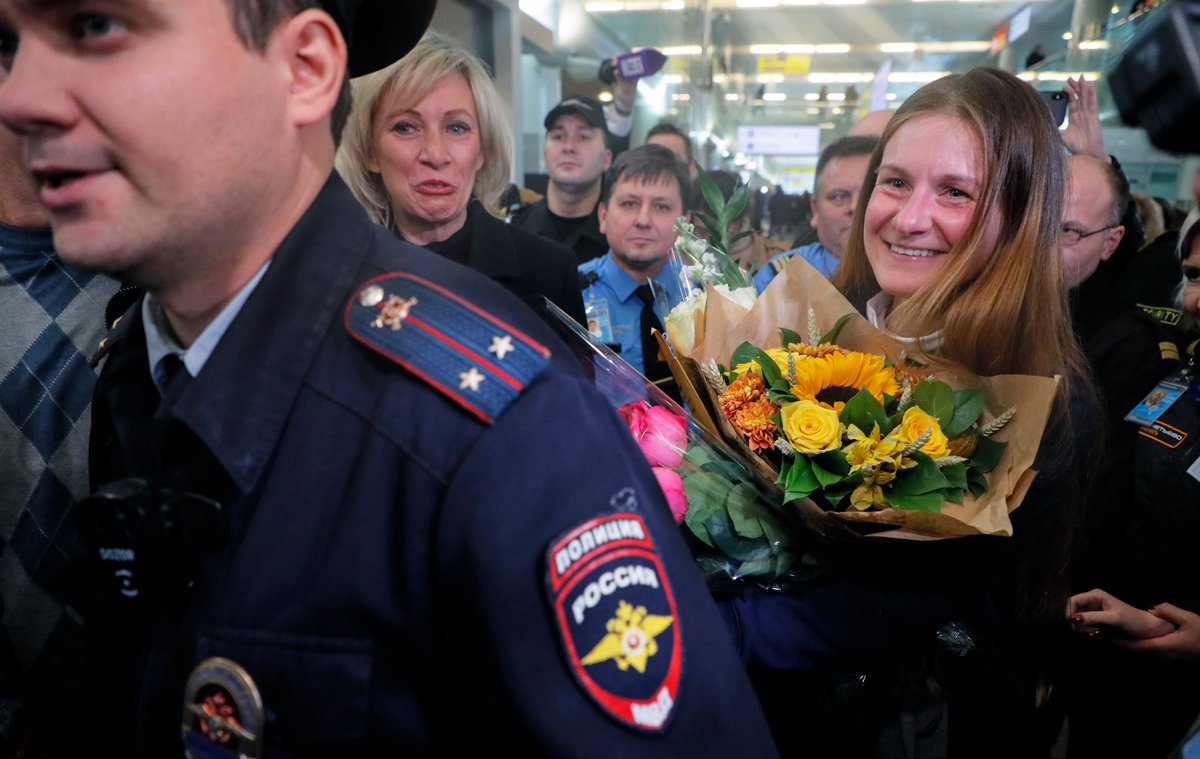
(786, 303)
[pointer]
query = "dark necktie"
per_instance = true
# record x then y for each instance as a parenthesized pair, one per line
(172, 372)
(655, 369)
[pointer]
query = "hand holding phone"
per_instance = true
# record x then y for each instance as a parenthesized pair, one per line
(1056, 101)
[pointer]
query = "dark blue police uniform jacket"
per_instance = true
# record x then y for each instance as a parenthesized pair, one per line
(388, 577)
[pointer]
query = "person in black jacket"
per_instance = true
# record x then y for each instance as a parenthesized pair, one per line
(351, 498)
(428, 151)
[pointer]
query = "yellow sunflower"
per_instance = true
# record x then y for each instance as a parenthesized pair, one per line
(833, 379)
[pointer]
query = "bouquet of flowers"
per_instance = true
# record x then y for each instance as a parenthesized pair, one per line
(903, 441)
(849, 431)
(723, 505)
(706, 266)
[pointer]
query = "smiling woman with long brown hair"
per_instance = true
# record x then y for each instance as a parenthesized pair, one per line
(955, 251)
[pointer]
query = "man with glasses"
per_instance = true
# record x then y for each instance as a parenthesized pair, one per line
(1092, 228)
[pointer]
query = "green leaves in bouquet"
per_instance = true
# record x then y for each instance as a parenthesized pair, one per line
(743, 354)
(936, 399)
(715, 490)
(798, 478)
(727, 515)
(987, 455)
(726, 211)
(865, 411)
(832, 335)
(830, 468)
(968, 407)
(789, 336)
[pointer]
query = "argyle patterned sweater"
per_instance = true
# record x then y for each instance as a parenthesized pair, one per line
(51, 321)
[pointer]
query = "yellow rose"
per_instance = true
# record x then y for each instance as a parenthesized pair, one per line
(810, 427)
(914, 424)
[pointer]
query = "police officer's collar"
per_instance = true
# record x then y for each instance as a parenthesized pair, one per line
(312, 271)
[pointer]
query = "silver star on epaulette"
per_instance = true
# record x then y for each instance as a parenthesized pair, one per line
(470, 379)
(501, 345)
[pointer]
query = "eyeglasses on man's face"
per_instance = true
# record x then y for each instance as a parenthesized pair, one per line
(1072, 236)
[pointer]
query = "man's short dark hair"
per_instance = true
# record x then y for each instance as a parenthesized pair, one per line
(847, 147)
(255, 20)
(666, 127)
(1119, 188)
(648, 163)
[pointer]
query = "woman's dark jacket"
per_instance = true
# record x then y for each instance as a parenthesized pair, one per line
(527, 264)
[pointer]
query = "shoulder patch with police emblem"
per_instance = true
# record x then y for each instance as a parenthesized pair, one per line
(617, 619)
(468, 355)
(222, 712)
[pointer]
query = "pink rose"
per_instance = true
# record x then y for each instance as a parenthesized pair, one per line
(672, 487)
(660, 434)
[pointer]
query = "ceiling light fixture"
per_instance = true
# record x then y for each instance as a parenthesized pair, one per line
(673, 79)
(898, 47)
(757, 3)
(673, 5)
(812, 96)
(782, 49)
(732, 96)
(839, 48)
(680, 50)
(962, 46)
(775, 97)
(1094, 45)
(769, 78)
(1068, 36)
(843, 78)
(603, 6)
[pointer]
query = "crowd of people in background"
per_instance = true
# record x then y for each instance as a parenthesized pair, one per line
(295, 468)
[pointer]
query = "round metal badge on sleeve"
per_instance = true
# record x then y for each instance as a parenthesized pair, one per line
(222, 712)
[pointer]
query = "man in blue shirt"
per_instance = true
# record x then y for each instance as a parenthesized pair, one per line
(841, 170)
(643, 198)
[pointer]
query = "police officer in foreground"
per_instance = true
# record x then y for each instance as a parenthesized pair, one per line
(349, 499)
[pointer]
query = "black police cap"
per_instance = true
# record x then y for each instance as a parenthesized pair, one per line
(380, 32)
(586, 108)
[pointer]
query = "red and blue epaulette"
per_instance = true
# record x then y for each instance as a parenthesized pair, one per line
(470, 356)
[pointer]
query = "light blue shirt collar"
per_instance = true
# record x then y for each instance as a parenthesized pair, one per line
(666, 280)
(160, 342)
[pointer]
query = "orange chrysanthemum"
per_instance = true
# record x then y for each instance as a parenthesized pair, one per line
(745, 389)
(754, 421)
